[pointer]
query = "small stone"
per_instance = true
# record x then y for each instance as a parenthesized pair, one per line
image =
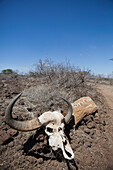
(71, 134)
(87, 144)
(4, 137)
(96, 114)
(12, 132)
(40, 160)
(2, 114)
(45, 141)
(40, 138)
(91, 125)
(31, 159)
(96, 120)
(92, 132)
(86, 130)
(11, 144)
(19, 147)
(103, 122)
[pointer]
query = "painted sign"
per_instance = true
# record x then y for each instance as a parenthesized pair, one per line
(82, 107)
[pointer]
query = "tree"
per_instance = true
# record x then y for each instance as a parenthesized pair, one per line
(8, 71)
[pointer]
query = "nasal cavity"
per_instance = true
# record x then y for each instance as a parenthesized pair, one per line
(69, 154)
(65, 143)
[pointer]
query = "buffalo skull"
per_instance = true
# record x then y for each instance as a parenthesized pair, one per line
(54, 123)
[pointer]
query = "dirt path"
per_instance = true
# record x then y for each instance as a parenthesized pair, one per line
(107, 92)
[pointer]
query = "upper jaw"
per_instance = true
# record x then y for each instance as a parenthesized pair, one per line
(57, 142)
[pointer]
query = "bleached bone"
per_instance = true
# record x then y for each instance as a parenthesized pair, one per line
(54, 123)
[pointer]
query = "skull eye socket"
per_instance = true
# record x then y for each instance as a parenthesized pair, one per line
(59, 128)
(50, 130)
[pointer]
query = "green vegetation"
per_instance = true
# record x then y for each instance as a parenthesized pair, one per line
(8, 71)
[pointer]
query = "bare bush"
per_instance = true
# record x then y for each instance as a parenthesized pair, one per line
(53, 81)
(60, 75)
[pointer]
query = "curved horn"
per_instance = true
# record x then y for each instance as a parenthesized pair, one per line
(70, 111)
(27, 125)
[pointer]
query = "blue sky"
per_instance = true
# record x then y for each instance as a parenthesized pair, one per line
(79, 31)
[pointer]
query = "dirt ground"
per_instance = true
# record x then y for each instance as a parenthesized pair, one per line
(91, 140)
(107, 92)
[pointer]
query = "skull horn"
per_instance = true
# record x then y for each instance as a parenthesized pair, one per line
(20, 125)
(70, 111)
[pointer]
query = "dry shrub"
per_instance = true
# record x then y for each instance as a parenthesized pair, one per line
(60, 75)
(55, 81)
